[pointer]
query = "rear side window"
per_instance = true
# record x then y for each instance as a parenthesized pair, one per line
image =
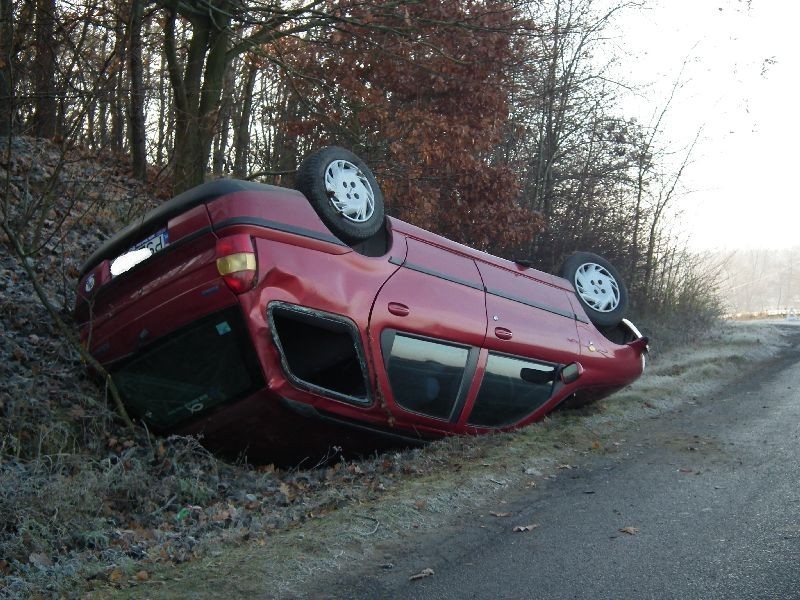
(512, 388)
(320, 351)
(209, 363)
(425, 376)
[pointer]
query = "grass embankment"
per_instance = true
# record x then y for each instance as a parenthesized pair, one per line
(462, 473)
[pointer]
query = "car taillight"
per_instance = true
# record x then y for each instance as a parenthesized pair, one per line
(236, 262)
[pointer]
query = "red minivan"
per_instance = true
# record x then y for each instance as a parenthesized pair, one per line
(271, 320)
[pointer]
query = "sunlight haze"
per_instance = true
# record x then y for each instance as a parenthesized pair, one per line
(739, 85)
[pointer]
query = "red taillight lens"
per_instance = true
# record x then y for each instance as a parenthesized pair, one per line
(236, 262)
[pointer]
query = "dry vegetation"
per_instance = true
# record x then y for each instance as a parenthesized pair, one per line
(458, 474)
(86, 503)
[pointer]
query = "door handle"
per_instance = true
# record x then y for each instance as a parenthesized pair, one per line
(503, 333)
(401, 310)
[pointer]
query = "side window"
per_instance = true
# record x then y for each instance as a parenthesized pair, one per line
(425, 376)
(512, 388)
(320, 351)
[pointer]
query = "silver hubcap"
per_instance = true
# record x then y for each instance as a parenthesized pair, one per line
(597, 287)
(349, 191)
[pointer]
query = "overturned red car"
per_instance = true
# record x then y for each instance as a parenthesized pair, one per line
(275, 321)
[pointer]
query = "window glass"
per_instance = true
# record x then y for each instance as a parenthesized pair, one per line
(512, 388)
(426, 376)
(320, 351)
(209, 363)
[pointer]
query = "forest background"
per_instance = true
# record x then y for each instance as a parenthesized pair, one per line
(493, 123)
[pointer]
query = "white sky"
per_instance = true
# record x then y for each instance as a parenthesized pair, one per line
(743, 176)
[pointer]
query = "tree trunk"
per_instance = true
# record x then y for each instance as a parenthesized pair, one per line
(136, 129)
(164, 110)
(197, 92)
(102, 121)
(6, 73)
(284, 148)
(225, 109)
(241, 141)
(44, 70)
(118, 100)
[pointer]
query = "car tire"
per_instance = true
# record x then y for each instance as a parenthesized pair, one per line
(598, 286)
(343, 192)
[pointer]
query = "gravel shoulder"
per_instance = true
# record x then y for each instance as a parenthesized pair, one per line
(376, 543)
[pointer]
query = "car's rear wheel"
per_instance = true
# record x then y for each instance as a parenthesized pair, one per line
(343, 192)
(599, 287)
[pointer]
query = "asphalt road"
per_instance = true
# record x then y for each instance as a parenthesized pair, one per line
(712, 492)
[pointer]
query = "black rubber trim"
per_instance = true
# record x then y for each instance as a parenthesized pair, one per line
(544, 307)
(310, 412)
(466, 384)
(407, 438)
(302, 231)
(319, 315)
(159, 216)
(439, 274)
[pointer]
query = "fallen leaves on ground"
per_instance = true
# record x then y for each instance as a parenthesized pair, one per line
(428, 572)
(115, 576)
(40, 560)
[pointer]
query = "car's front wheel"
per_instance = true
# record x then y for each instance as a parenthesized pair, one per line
(599, 288)
(343, 192)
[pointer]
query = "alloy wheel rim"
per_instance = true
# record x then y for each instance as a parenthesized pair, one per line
(597, 287)
(349, 191)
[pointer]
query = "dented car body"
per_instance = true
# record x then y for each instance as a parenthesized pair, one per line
(247, 321)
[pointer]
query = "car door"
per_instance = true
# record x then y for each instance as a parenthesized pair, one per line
(528, 317)
(427, 325)
(531, 333)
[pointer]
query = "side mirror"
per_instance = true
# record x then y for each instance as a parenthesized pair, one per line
(571, 372)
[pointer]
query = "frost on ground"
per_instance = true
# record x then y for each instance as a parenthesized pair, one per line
(88, 505)
(459, 473)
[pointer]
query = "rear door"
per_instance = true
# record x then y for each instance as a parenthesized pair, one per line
(528, 317)
(531, 332)
(426, 329)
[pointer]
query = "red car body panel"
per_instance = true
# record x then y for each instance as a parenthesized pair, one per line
(423, 286)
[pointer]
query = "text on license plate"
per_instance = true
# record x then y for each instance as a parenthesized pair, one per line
(158, 241)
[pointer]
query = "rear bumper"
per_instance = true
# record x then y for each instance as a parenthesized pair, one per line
(126, 330)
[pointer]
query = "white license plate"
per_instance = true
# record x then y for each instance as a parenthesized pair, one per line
(140, 252)
(158, 241)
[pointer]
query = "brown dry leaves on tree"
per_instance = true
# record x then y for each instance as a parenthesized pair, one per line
(423, 94)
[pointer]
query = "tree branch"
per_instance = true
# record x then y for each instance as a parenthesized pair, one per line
(66, 331)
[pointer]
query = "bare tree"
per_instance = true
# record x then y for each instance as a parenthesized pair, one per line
(136, 122)
(6, 71)
(44, 70)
